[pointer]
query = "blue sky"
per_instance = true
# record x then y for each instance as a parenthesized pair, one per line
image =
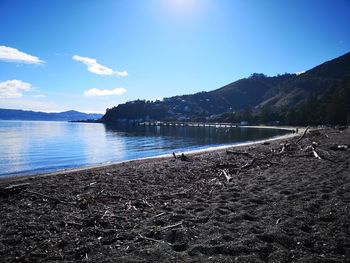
(89, 55)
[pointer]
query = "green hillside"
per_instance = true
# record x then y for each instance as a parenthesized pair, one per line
(318, 96)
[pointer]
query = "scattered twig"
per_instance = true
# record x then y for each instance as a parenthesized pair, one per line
(271, 162)
(225, 172)
(144, 201)
(247, 165)
(129, 206)
(172, 226)
(283, 148)
(49, 197)
(15, 186)
(27, 253)
(239, 153)
(315, 153)
(159, 215)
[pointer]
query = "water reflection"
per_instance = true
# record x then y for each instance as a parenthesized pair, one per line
(31, 147)
(11, 146)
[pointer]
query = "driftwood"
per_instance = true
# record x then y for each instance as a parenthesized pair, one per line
(184, 158)
(16, 186)
(315, 153)
(225, 172)
(247, 165)
(302, 137)
(337, 147)
(283, 148)
(313, 150)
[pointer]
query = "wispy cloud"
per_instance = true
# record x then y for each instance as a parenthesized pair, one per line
(99, 69)
(104, 92)
(39, 96)
(10, 54)
(13, 88)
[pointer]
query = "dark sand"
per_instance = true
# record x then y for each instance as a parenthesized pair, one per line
(278, 207)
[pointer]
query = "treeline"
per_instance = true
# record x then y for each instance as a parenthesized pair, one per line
(134, 110)
(332, 108)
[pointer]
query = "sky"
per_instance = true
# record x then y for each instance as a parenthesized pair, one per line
(89, 55)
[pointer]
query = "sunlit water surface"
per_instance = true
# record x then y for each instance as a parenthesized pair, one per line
(29, 147)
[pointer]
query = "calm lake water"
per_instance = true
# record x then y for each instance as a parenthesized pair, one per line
(29, 147)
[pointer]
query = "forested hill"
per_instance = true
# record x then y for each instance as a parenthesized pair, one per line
(320, 95)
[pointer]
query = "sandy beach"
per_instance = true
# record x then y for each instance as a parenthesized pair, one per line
(280, 201)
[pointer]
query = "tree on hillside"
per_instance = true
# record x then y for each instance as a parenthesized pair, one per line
(337, 108)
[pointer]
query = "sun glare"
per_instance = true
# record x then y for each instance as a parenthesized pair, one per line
(184, 9)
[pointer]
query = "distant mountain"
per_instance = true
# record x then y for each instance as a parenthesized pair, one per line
(279, 94)
(7, 114)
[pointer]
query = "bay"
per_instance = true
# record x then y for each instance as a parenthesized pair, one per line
(33, 147)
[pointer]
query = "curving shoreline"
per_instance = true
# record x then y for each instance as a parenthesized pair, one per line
(208, 149)
(278, 203)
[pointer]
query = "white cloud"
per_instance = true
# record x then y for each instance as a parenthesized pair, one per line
(14, 55)
(99, 69)
(122, 73)
(104, 92)
(300, 72)
(13, 88)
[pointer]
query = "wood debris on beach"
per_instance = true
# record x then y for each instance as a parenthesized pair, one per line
(282, 201)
